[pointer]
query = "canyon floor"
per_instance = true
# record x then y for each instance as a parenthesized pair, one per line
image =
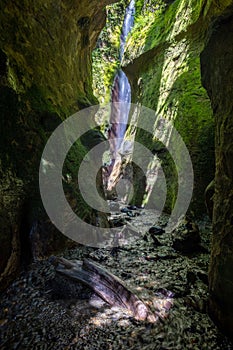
(42, 310)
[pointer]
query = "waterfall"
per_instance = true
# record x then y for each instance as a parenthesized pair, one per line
(127, 26)
(121, 92)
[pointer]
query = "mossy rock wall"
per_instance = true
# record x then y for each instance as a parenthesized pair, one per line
(162, 61)
(217, 72)
(45, 76)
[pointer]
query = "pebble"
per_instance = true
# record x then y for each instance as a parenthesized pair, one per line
(33, 316)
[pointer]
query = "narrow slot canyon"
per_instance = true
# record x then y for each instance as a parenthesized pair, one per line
(116, 163)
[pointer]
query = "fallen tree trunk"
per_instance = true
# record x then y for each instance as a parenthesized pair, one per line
(108, 286)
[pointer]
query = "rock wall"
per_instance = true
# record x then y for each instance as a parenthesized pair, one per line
(217, 72)
(45, 75)
(163, 64)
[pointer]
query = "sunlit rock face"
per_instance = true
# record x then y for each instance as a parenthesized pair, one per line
(48, 45)
(45, 76)
(217, 72)
(162, 62)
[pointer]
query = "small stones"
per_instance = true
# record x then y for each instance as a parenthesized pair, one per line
(151, 258)
(3, 322)
(132, 215)
(156, 241)
(32, 317)
(164, 292)
(196, 303)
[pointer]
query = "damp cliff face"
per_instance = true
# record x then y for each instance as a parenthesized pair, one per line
(163, 65)
(217, 72)
(48, 45)
(45, 76)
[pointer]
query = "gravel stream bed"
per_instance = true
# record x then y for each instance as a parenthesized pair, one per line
(42, 310)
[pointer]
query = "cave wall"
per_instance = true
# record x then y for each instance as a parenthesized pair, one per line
(162, 61)
(45, 76)
(217, 73)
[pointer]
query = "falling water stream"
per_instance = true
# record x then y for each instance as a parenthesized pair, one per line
(121, 92)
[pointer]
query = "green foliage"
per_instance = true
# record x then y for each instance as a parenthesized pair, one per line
(152, 27)
(38, 100)
(105, 56)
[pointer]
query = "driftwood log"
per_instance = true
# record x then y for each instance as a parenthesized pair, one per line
(108, 286)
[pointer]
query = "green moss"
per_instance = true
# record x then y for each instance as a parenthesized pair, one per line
(38, 100)
(161, 22)
(151, 28)
(106, 54)
(71, 167)
(102, 84)
(189, 107)
(165, 47)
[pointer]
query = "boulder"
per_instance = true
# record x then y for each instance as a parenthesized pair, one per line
(186, 238)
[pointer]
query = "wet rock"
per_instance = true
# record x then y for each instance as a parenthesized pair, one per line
(149, 238)
(125, 210)
(186, 238)
(156, 230)
(132, 214)
(132, 207)
(117, 222)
